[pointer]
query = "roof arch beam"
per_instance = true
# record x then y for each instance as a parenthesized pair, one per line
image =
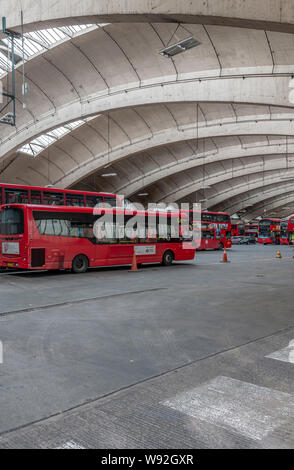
(274, 15)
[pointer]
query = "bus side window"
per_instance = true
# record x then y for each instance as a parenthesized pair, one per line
(92, 201)
(110, 201)
(53, 199)
(1, 196)
(36, 197)
(75, 200)
(16, 196)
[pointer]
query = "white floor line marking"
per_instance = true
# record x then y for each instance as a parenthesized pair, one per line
(242, 407)
(285, 354)
(70, 445)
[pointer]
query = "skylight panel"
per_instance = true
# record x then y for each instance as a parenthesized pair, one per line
(36, 42)
(44, 141)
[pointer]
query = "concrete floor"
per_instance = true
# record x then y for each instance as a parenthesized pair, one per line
(165, 358)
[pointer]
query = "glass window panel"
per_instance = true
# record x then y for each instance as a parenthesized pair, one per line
(74, 200)
(92, 201)
(36, 197)
(16, 196)
(11, 222)
(110, 200)
(53, 199)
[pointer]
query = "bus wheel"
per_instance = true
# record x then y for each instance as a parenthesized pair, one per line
(80, 264)
(221, 246)
(168, 258)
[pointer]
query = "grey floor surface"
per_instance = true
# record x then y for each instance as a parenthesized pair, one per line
(193, 356)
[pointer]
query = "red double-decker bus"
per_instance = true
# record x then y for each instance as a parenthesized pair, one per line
(215, 229)
(49, 238)
(17, 194)
(238, 230)
(287, 231)
(269, 231)
(251, 230)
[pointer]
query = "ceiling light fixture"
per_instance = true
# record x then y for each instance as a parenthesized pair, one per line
(181, 46)
(108, 175)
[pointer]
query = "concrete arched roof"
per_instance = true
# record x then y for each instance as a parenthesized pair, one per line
(238, 82)
(239, 197)
(156, 161)
(244, 194)
(144, 168)
(273, 206)
(188, 182)
(78, 79)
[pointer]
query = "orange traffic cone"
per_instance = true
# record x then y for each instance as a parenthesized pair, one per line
(134, 264)
(225, 257)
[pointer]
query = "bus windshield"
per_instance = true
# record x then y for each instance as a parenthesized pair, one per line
(11, 221)
(264, 230)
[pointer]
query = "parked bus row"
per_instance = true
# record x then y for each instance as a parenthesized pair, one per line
(50, 238)
(268, 231)
(45, 228)
(42, 237)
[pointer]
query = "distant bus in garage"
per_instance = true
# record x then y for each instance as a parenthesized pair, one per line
(287, 231)
(238, 230)
(17, 194)
(251, 230)
(46, 238)
(269, 231)
(215, 230)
